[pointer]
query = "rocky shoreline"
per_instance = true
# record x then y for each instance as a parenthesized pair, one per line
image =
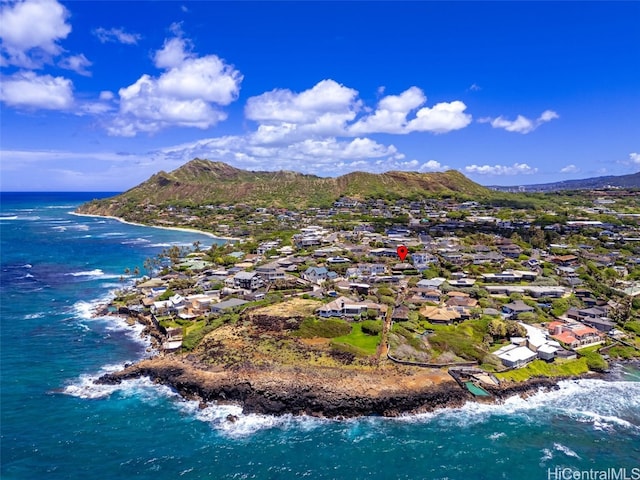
(321, 392)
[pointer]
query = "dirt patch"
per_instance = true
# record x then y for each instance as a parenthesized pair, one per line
(315, 342)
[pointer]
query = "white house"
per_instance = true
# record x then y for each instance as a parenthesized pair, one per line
(345, 307)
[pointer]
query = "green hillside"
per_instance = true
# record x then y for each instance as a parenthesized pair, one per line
(202, 182)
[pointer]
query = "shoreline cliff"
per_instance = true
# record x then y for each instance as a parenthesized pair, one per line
(321, 392)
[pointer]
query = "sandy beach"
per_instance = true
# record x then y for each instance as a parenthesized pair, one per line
(182, 229)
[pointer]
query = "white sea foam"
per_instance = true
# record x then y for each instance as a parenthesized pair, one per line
(546, 455)
(603, 404)
(59, 228)
(80, 227)
(95, 273)
(33, 316)
(88, 273)
(229, 420)
(85, 387)
(27, 265)
(112, 234)
(566, 450)
(84, 309)
(51, 207)
(16, 217)
(135, 241)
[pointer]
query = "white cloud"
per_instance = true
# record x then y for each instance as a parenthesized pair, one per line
(433, 166)
(515, 169)
(635, 158)
(29, 90)
(93, 108)
(547, 116)
(173, 53)
(442, 118)
(77, 63)
(328, 155)
(323, 109)
(330, 109)
(391, 114)
(570, 169)
(116, 35)
(393, 110)
(31, 30)
(475, 87)
(106, 95)
(521, 124)
(187, 94)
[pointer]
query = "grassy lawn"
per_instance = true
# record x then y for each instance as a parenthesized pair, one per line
(539, 368)
(464, 339)
(365, 344)
(621, 351)
(325, 328)
(170, 323)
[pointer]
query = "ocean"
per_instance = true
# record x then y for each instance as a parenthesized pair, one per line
(56, 424)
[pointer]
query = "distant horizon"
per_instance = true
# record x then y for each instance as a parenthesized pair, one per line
(102, 94)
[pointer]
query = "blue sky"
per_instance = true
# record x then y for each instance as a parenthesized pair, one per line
(100, 95)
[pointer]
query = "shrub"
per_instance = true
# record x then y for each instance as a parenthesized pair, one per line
(168, 293)
(372, 327)
(595, 361)
(633, 326)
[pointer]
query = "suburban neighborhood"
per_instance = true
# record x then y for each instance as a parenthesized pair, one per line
(492, 286)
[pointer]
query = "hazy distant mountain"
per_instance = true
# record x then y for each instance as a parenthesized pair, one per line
(206, 182)
(610, 181)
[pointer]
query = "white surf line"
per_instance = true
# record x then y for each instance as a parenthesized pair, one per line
(181, 229)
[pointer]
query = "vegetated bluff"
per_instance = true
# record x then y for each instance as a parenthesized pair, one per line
(202, 182)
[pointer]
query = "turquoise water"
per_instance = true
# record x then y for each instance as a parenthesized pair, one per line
(56, 424)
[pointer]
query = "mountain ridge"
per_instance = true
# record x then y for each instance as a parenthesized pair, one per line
(202, 181)
(631, 180)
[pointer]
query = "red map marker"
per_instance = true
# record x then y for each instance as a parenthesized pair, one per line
(402, 252)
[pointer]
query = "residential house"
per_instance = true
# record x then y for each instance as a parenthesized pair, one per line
(399, 268)
(435, 282)
(574, 334)
(444, 315)
(383, 252)
(370, 269)
(227, 305)
(270, 272)
(316, 274)
(514, 356)
(462, 282)
(247, 280)
(513, 309)
(338, 260)
(510, 276)
(346, 307)
(457, 300)
(510, 250)
(564, 260)
(422, 260)
(400, 314)
(426, 295)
